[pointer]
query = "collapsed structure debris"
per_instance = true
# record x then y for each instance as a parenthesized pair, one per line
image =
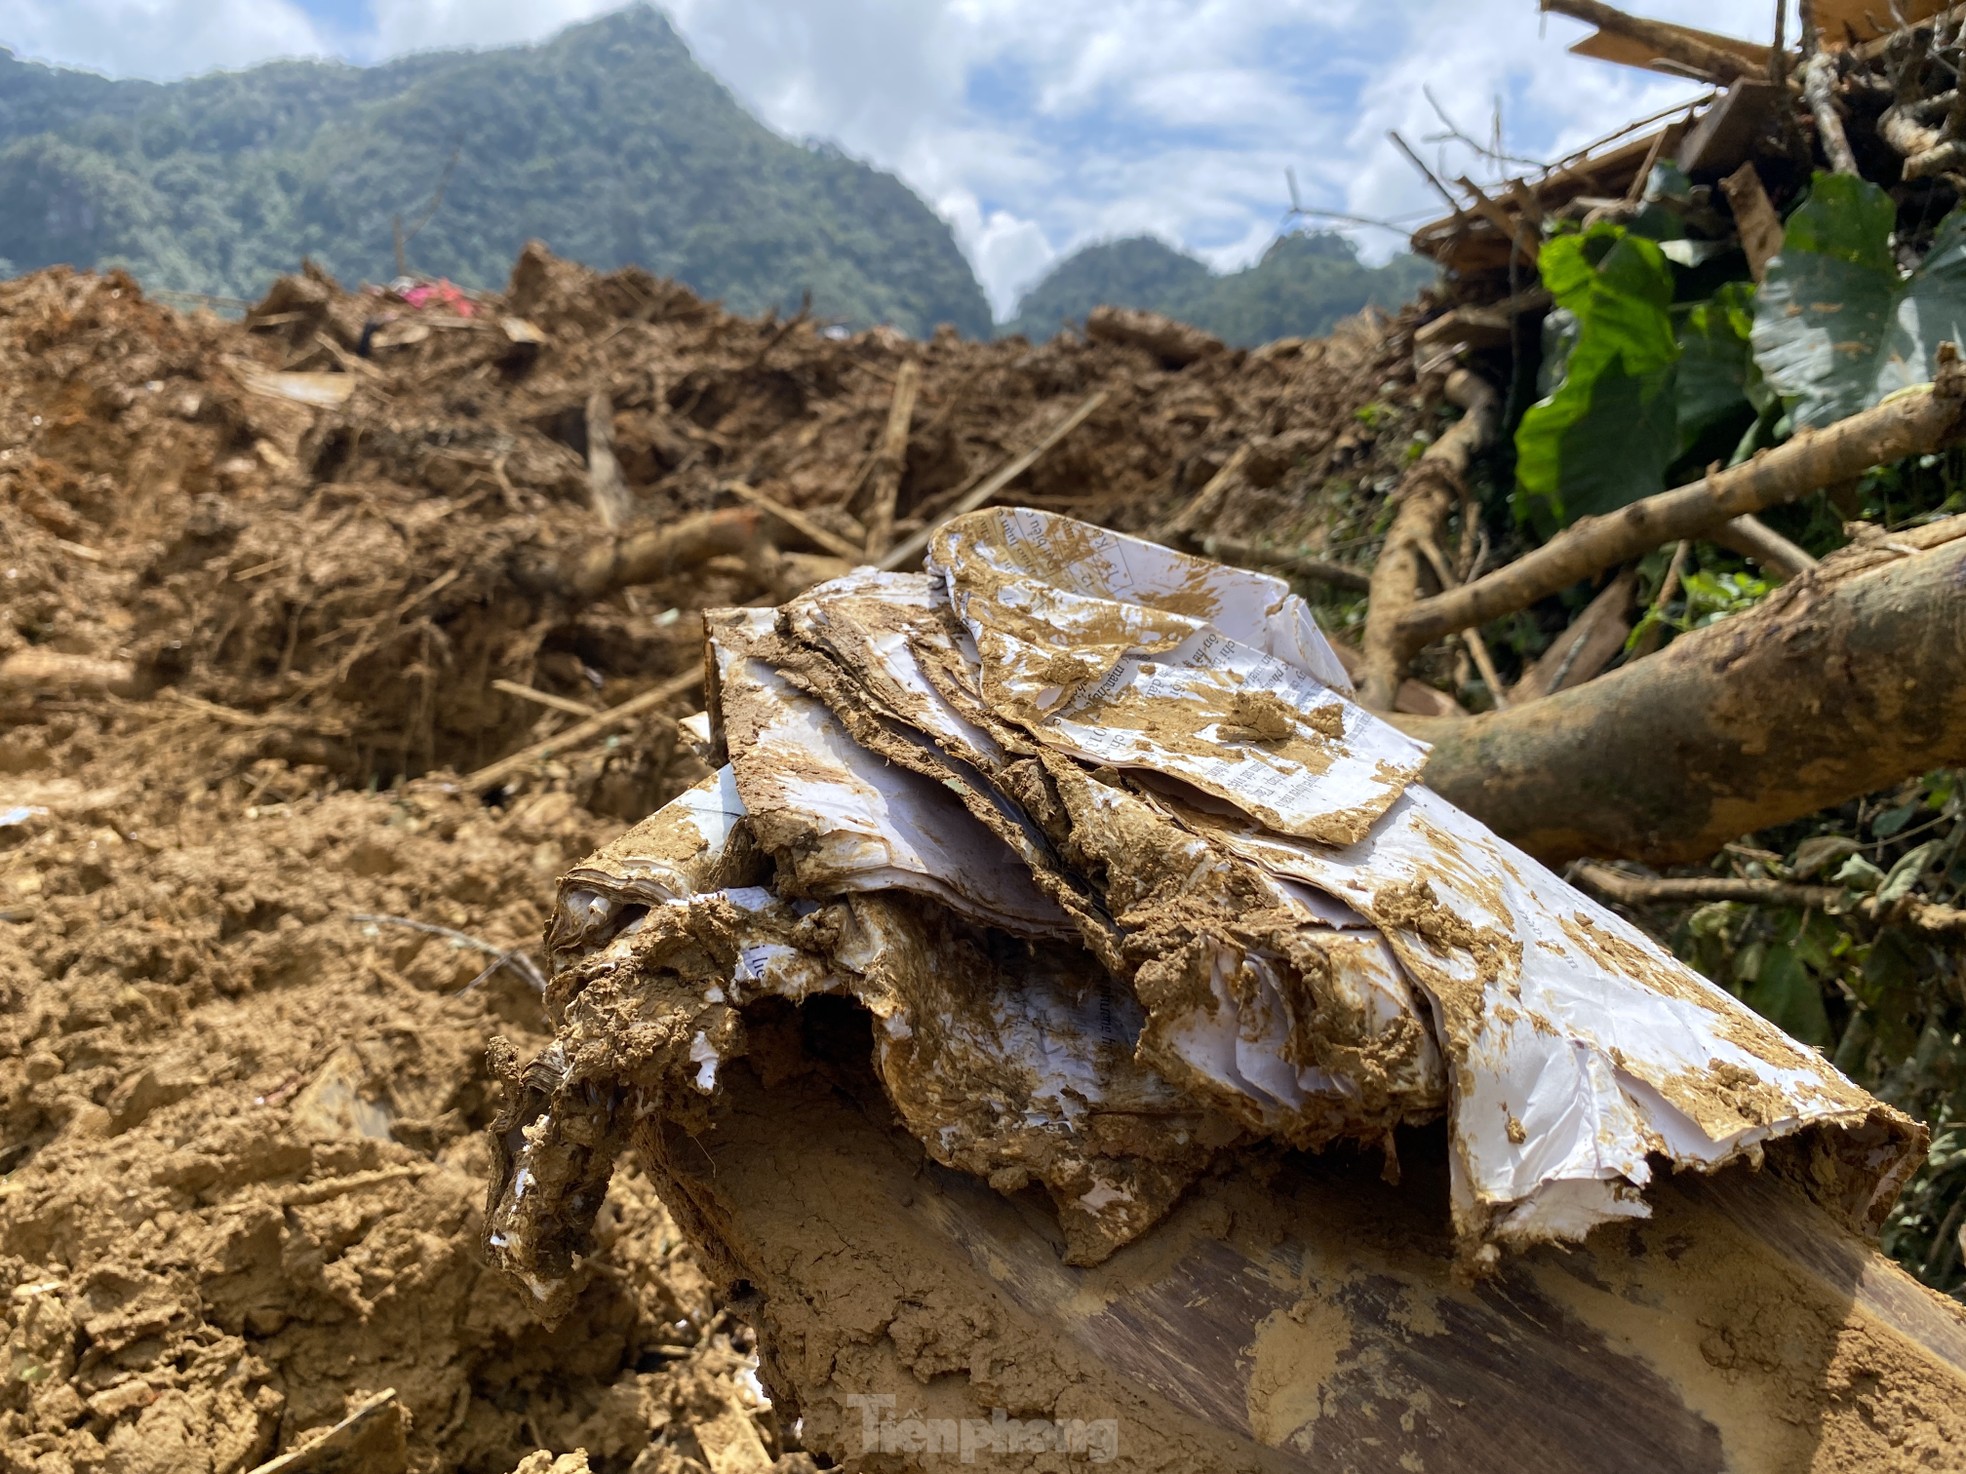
(255, 581)
(998, 1113)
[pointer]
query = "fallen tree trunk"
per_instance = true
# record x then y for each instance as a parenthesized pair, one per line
(1845, 681)
(1305, 1318)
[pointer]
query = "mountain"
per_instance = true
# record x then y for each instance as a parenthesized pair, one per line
(608, 142)
(1304, 283)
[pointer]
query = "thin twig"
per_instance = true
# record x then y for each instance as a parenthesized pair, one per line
(1454, 134)
(513, 957)
(582, 733)
(798, 521)
(545, 698)
(1477, 646)
(1652, 636)
(1648, 890)
(915, 546)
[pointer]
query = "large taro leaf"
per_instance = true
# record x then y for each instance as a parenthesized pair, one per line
(1719, 391)
(1837, 326)
(1603, 437)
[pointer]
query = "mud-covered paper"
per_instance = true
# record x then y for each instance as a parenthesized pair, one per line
(1123, 877)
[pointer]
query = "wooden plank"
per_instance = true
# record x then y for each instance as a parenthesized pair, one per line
(1590, 644)
(1623, 50)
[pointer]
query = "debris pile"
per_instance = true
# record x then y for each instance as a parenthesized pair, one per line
(345, 525)
(254, 576)
(1124, 879)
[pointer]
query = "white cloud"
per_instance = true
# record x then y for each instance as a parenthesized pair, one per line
(161, 39)
(1036, 126)
(425, 25)
(1475, 57)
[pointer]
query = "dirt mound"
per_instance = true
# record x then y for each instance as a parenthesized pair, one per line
(260, 575)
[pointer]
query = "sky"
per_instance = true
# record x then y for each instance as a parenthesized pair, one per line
(1033, 126)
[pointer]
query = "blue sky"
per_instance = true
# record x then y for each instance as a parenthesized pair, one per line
(1033, 126)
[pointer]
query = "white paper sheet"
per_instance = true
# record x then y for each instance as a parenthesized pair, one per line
(1124, 653)
(840, 819)
(1259, 866)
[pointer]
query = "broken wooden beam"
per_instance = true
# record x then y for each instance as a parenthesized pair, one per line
(891, 462)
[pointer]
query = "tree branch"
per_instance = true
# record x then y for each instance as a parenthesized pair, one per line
(1650, 890)
(1425, 496)
(1917, 422)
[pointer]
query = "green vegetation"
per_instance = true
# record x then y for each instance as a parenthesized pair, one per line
(1661, 358)
(609, 142)
(1304, 283)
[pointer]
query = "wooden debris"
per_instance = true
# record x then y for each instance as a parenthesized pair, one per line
(1426, 494)
(1478, 328)
(1766, 548)
(578, 736)
(1414, 698)
(1819, 87)
(1654, 634)
(39, 671)
(321, 391)
(1918, 422)
(793, 518)
(1477, 646)
(1173, 343)
(892, 460)
(1755, 218)
(645, 556)
(544, 698)
(1627, 889)
(1727, 134)
(1204, 503)
(370, 1440)
(1590, 644)
(988, 489)
(1674, 750)
(605, 488)
(1694, 53)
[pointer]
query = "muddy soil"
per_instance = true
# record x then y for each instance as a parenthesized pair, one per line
(255, 937)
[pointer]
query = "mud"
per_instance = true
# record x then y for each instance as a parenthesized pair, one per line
(851, 1060)
(254, 591)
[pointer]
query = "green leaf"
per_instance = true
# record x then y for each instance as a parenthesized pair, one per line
(1837, 326)
(1904, 875)
(1891, 821)
(1820, 850)
(1787, 996)
(1603, 436)
(1859, 874)
(1716, 368)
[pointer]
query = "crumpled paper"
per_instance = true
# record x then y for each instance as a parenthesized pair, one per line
(1095, 834)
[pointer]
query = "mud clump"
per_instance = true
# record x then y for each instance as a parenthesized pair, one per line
(266, 584)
